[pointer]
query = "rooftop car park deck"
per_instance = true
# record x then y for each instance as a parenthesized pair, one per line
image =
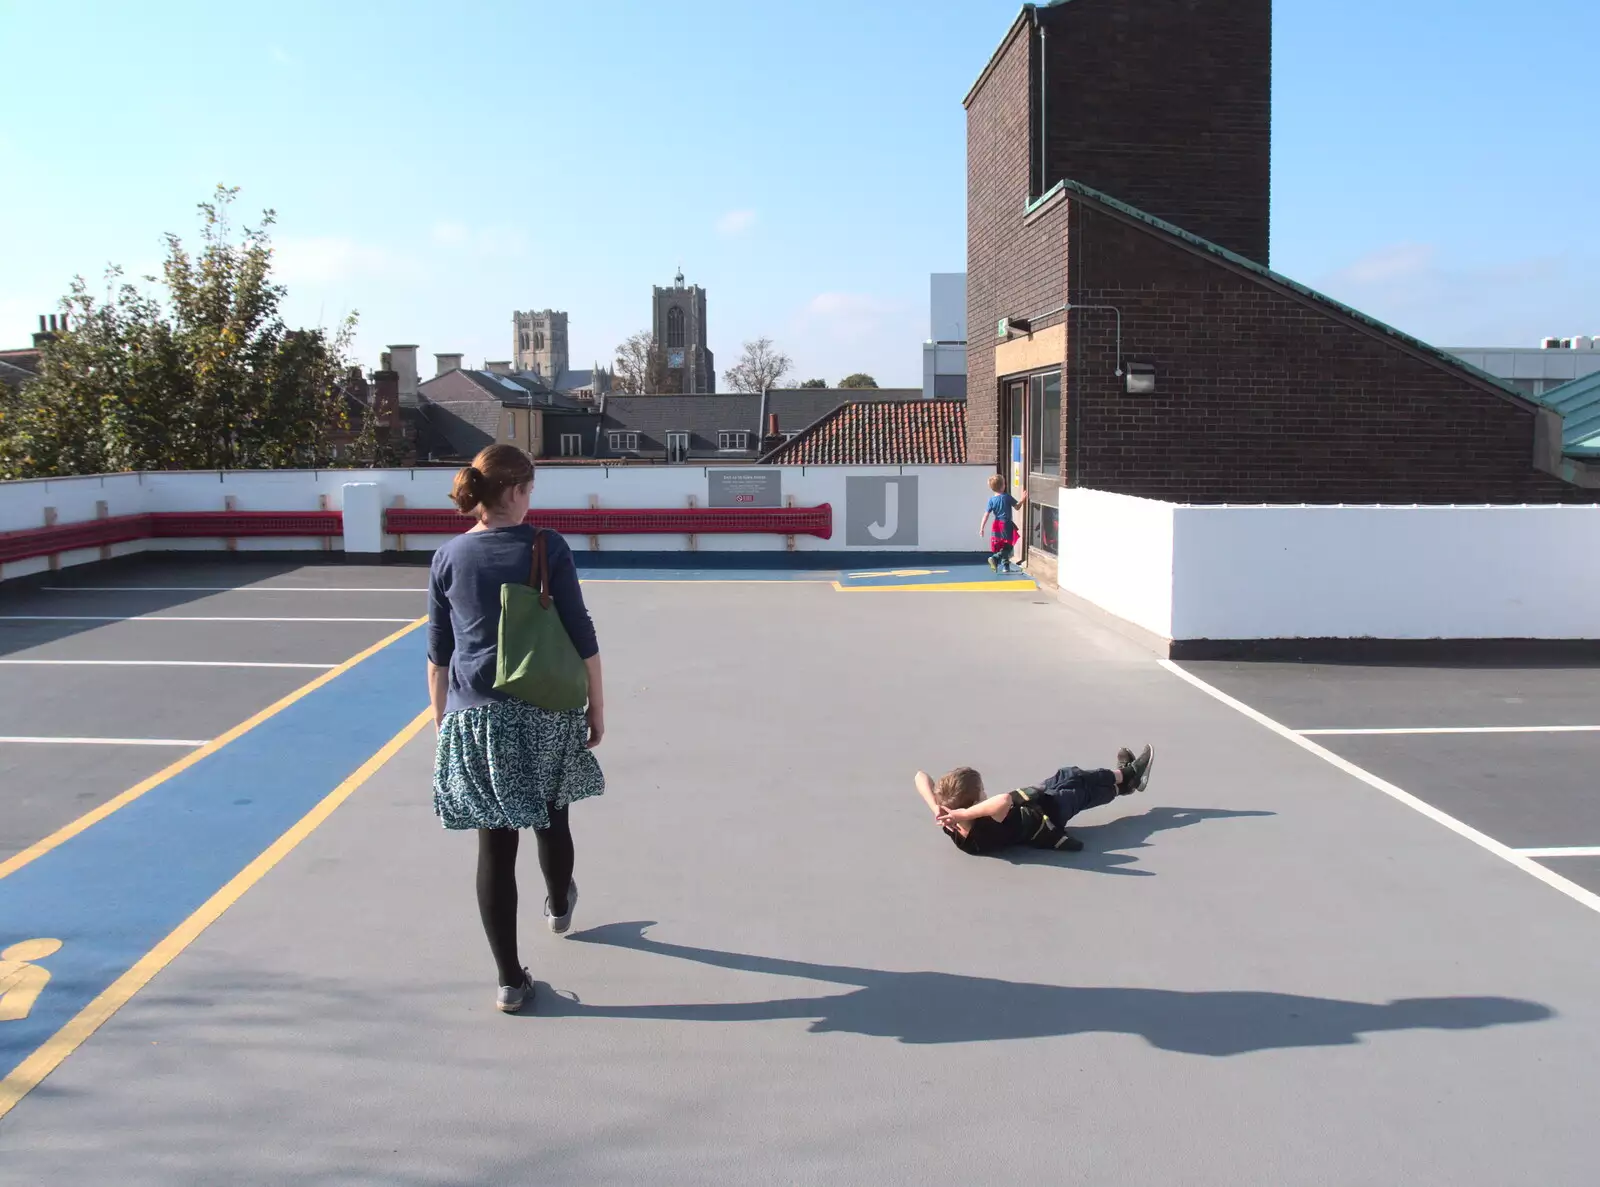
(1269, 967)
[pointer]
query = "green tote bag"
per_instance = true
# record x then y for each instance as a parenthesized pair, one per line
(537, 661)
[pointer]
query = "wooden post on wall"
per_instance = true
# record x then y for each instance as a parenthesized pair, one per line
(101, 511)
(594, 541)
(694, 545)
(230, 503)
(788, 540)
(50, 522)
(399, 540)
(327, 541)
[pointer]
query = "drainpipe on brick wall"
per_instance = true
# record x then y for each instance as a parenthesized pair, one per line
(1044, 135)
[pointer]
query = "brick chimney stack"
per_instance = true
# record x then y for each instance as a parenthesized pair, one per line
(772, 438)
(386, 398)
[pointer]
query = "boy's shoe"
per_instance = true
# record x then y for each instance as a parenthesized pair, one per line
(1141, 768)
(561, 923)
(512, 998)
(994, 564)
(1135, 769)
(1068, 843)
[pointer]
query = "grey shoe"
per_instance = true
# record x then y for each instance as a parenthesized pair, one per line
(512, 998)
(1141, 767)
(561, 923)
(1135, 770)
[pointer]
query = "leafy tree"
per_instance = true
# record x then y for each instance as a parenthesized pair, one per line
(815, 383)
(641, 367)
(859, 379)
(761, 366)
(204, 375)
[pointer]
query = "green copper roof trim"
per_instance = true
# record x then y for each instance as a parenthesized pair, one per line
(1215, 249)
(1058, 188)
(1578, 403)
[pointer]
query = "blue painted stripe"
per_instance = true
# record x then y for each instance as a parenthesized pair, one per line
(116, 890)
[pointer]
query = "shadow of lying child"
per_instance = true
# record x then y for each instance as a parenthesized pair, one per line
(1101, 841)
(934, 1007)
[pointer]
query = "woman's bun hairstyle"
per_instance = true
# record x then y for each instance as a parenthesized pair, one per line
(480, 487)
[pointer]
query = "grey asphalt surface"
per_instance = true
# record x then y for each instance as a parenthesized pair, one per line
(1527, 790)
(47, 786)
(1259, 971)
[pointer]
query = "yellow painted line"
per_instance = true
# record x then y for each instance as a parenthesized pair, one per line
(898, 573)
(49, 1055)
(701, 581)
(947, 587)
(66, 832)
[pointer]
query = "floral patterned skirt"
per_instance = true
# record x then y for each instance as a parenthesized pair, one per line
(507, 764)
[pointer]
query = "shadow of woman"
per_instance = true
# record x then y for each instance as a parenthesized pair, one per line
(934, 1007)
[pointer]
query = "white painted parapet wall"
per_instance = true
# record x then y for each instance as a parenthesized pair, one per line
(912, 509)
(1335, 572)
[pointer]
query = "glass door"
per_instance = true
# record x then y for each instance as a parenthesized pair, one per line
(1016, 451)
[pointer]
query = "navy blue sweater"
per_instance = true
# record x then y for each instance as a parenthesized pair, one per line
(464, 605)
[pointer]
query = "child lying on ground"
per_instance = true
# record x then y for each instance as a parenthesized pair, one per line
(1035, 816)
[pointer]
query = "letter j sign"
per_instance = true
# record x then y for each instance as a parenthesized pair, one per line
(880, 512)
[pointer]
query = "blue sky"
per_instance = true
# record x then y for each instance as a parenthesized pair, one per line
(436, 166)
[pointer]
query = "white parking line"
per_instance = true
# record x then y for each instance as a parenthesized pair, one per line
(106, 741)
(162, 663)
(172, 618)
(1523, 862)
(234, 589)
(1456, 729)
(1563, 851)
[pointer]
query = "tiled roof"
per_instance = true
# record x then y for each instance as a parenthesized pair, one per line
(798, 408)
(882, 433)
(457, 429)
(13, 375)
(523, 389)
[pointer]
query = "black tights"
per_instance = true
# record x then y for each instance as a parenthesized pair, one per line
(497, 885)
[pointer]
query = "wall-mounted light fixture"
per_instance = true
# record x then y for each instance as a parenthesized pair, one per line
(1141, 379)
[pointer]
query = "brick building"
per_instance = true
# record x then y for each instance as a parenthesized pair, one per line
(1125, 332)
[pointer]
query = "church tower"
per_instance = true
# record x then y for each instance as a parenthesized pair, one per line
(678, 322)
(539, 342)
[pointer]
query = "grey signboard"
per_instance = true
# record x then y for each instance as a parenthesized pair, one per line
(745, 488)
(880, 512)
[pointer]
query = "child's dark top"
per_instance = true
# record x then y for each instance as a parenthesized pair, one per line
(1028, 823)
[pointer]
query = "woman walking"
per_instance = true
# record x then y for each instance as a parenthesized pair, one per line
(503, 765)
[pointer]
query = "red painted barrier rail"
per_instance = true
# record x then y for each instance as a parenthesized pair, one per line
(167, 525)
(414, 521)
(652, 521)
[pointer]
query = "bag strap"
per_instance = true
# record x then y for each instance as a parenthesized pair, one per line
(539, 570)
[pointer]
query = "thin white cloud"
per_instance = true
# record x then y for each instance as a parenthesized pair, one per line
(1419, 289)
(849, 318)
(489, 242)
(319, 259)
(1390, 264)
(280, 56)
(736, 222)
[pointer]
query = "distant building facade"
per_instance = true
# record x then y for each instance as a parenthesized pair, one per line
(1534, 371)
(678, 321)
(539, 342)
(944, 354)
(539, 347)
